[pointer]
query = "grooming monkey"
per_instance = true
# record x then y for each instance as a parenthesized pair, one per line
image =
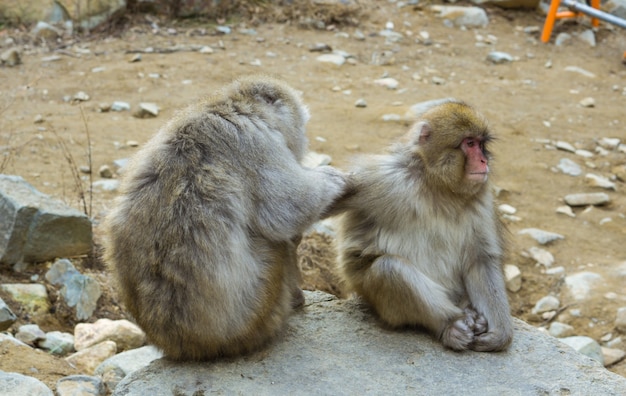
(420, 240)
(203, 236)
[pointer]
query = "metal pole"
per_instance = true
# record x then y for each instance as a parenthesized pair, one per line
(585, 9)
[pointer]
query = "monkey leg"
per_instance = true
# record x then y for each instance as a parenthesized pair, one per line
(403, 295)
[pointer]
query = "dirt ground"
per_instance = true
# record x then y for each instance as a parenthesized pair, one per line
(528, 99)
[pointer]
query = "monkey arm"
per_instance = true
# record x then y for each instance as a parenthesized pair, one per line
(487, 292)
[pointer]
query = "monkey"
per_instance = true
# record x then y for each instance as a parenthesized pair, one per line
(202, 238)
(418, 236)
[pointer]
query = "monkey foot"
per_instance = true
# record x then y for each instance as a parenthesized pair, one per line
(458, 335)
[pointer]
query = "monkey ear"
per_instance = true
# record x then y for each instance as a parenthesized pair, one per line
(420, 132)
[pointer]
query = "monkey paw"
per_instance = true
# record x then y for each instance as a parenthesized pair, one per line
(475, 321)
(458, 335)
(496, 340)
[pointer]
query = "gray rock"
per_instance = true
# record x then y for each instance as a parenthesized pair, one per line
(115, 368)
(560, 330)
(585, 345)
(612, 356)
(334, 59)
(584, 199)
(7, 317)
(78, 290)
(582, 283)
(589, 37)
(498, 57)
(541, 236)
(569, 167)
(512, 278)
(30, 334)
(562, 38)
(620, 320)
(10, 57)
(541, 256)
(80, 385)
(462, 16)
(36, 227)
(599, 181)
(579, 70)
(336, 347)
(33, 298)
(13, 384)
(147, 110)
(565, 146)
(106, 185)
(120, 106)
(546, 304)
(57, 343)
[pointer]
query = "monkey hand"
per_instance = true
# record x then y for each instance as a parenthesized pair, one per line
(334, 179)
(458, 334)
(475, 321)
(493, 340)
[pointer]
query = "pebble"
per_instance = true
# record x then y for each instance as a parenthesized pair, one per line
(13, 384)
(541, 236)
(498, 57)
(620, 320)
(438, 80)
(566, 210)
(105, 172)
(612, 356)
(462, 16)
(33, 298)
(541, 256)
(30, 334)
(555, 271)
(599, 181)
(115, 368)
(124, 333)
(583, 153)
(331, 58)
(7, 317)
(388, 82)
(361, 103)
(135, 58)
(609, 143)
(588, 36)
(588, 102)
(88, 359)
(320, 47)
(560, 330)
(120, 106)
(81, 97)
(546, 304)
(57, 343)
(74, 385)
(581, 284)
(11, 57)
(206, 50)
(513, 278)
(106, 185)
(584, 199)
(569, 167)
(619, 172)
(77, 290)
(507, 209)
(562, 38)
(561, 145)
(147, 110)
(585, 345)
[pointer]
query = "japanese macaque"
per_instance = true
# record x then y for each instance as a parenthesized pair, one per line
(203, 237)
(420, 240)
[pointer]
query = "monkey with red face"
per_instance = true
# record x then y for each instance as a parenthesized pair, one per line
(419, 238)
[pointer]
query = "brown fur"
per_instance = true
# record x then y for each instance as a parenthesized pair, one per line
(421, 242)
(203, 237)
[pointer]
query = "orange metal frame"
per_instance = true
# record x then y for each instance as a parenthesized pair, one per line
(554, 14)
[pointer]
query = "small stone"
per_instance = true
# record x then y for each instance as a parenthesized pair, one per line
(135, 58)
(14, 384)
(584, 199)
(547, 303)
(438, 80)
(583, 153)
(360, 103)
(33, 298)
(206, 50)
(81, 97)
(599, 181)
(566, 210)
(609, 143)
(80, 385)
(389, 83)
(7, 317)
(132, 143)
(11, 57)
(105, 172)
(569, 167)
(120, 106)
(541, 236)
(541, 256)
(562, 38)
(555, 271)
(581, 71)
(334, 59)
(124, 333)
(88, 359)
(620, 320)
(106, 185)
(585, 345)
(320, 47)
(147, 110)
(498, 57)
(30, 334)
(588, 102)
(560, 330)
(589, 37)
(57, 343)
(38, 119)
(581, 284)
(612, 356)
(561, 145)
(507, 209)
(619, 172)
(513, 278)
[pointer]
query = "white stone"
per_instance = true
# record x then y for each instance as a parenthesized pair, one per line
(584, 199)
(612, 356)
(498, 57)
(388, 82)
(588, 102)
(561, 145)
(462, 16)
(507, 209)
(335, 59)
(609, 143)
(569, 167)
(546, 304)
(581, 284)
(555, 270)
(620, 320)
(560, 330)
(513, 277)
(541, 236)
(584, 153)
(566, 210)
(581, 71)
(599, 181)
(585, 345)
(124, 333)
(541, 256)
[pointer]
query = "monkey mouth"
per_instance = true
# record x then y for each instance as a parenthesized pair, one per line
(478, 176)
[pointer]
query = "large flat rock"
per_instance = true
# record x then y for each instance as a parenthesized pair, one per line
(336, 347)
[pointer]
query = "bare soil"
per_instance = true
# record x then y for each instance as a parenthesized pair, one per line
(528, 99)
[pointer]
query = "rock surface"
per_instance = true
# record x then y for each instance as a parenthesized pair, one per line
(337, 347)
